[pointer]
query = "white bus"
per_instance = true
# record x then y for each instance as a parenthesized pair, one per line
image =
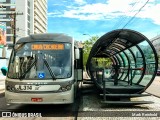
(43, 69)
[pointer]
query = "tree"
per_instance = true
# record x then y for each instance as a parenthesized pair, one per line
(87, 45)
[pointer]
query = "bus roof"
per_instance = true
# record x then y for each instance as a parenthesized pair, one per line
(46, 37)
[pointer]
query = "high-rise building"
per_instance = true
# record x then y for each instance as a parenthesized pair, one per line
(34, 18)
(40, 16)
(6, 9)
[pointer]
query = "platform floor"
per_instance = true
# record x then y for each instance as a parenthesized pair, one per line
(121, 85)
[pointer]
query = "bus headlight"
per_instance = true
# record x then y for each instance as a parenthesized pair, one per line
(10, 88)
(65, 88)
(68, 87)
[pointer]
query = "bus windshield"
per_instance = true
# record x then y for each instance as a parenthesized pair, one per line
(40, 60)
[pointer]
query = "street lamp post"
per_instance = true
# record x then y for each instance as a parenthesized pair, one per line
(87, 34)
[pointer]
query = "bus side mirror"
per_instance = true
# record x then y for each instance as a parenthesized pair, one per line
(10, 46)
(77, 55)
(4, 70)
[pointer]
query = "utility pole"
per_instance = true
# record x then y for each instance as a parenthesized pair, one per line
(14, 27)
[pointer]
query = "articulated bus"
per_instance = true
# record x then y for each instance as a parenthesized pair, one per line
(43, 69)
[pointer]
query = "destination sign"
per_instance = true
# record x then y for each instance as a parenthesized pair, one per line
(47, 46)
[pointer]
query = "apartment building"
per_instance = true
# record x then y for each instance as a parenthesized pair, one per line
(34, 18)
(40, 16)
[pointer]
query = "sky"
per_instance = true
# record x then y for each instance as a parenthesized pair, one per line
(97, 17)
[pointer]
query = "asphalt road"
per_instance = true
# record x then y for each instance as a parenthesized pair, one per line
(63, 111)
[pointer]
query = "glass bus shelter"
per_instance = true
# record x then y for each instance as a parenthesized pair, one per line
(130, 63)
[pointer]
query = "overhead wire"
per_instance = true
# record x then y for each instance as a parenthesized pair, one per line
(122, 18)
(126, 17)
(135, 14)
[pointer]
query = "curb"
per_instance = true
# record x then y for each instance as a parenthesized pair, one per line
(1, 91)
(2, 84)
(153, 94)
(2, 94)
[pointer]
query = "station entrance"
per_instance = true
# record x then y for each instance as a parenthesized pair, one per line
(130, 66)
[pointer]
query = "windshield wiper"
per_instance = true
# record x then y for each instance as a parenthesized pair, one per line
(47, 65)
(49, 69)
(24, 74)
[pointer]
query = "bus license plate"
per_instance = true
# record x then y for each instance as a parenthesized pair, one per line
(24, 87)
(37, 87)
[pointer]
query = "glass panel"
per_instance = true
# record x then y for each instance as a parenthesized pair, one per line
(139, 64)
(125, 59)
(117, 49)
(103, 62)
(114, 60)
(40, 60)
(150, 62)
(3, 0)
(132, 63)
(123, 42)
(122, 76)
(120, 59)
(117, 44)
(120, 63)
(125, 66)
(3, 9)
(112, 52)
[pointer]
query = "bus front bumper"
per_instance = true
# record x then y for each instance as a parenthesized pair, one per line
(66, 97)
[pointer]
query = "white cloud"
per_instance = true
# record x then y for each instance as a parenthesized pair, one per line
(112, 9)
(80, 1)
(151, 12)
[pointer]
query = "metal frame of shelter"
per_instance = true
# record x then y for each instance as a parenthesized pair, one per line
(134, 60)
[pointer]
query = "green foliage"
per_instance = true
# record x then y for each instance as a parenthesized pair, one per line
(87, 45)
(104, 62)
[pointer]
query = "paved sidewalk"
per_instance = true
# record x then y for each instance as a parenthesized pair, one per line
(2, 83)
(154, 88)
